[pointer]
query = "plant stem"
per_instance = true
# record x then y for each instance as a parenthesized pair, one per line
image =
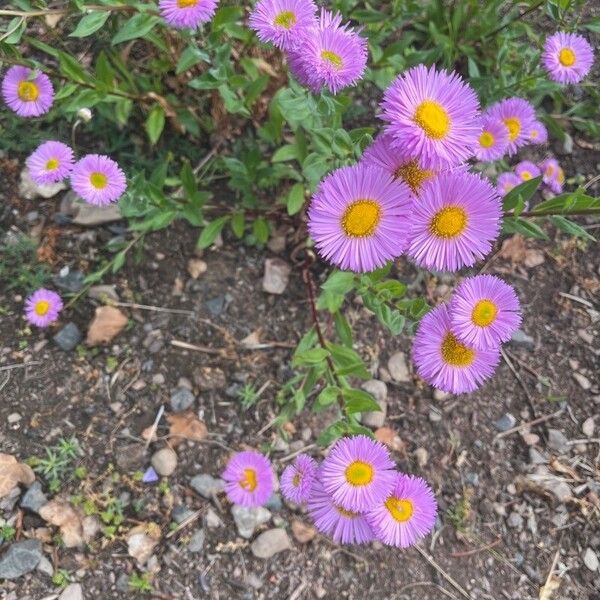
(517, 18)
(562, 213)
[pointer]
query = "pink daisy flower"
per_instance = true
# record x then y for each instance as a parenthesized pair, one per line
(517, 115)
(455, 222)
(98, 179)
(187, 14)
(344, 526)
(381, 153)
(43, 307)
(538, 134)
(28, 93)
(283, 22)
(445, 362)
(527, 170)
(50, 162)
(433, 115)
(506, 182)
(552, 175)
(407, 515)
(359, 218)
(297, 479)
(484, 312)
(248, 479)
(358, 473)
(493, 140)
(567, 57)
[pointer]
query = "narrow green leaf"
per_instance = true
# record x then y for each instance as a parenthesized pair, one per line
(358, 401)
(90, 24)
(155, 123)
(210, 232)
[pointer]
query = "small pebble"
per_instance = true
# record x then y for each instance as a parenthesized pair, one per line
(164, 461)
(590, 560)
(588, 427)
(271, 542)
(196, 543)
(505, 422)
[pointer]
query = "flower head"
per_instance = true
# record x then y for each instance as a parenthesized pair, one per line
(50, 162)
(359, 218)
(552, 175)
(297, 479)
(381, 153)
(98, 179)
(187, 14)
(358, 473)
(454, 222)
(344, 526)
(43, 307)
(493, 140)
(484, 312)
(28, 93)
(407, 515)
(567, 57)
(283, 22)
(506, 182)
(527, 170)
(433, 115)
(445, 362)
(538, 134)
(518, 116)
(248, 479)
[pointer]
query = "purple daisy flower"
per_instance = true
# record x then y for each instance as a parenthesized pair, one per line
(359, 218)
(382, 154)
(538, 134)
(407, 515)
(358, 473)
(43, 307)
(283, 22)
(50, 162)
(187, 14)
(455, 221)
(552, 175)
(98, 179)
(28, 93)
(517, 115)
(527, 170)
(493, 140)
(567, 57)
(506, 182)
(484, 312)
(344, 526)
(297, 479)
(446, 363)
(248, 478)
(433, 115)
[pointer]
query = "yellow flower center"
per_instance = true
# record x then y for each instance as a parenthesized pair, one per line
(248, 481)
(42, 307)
(28, 91)
(566, 57)
(433, 119)
(285, 19)
(347, 513)
(333, 58)
(486, 140)
(534, 133)
(413, 175)
(484, 313)
(400, 509)
(525, 175)
(52, 164)
(361, 218)
(561, 176)
(296, 480)
(187, 3)
(98, 180)
(359, 473)
(513, 124)
(549, 171)
(456, 354)
(449, 222)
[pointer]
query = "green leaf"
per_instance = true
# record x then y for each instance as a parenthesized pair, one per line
(340, 282)
(572, 228)
(155, 123)
(524, 227)
(118, 261)
(310, 357)
(238, 224)
(358, 401)
(522, 192)
(189, 57)
(326, 398)
(285, 153)
(90, 24)
(261, 231)
(342, 328)
(135, 27)
(295, 199)
(348, 361)
(188, 179)
(210, 232)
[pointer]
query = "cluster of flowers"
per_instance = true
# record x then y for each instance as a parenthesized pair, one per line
(321, 50)
(553, 176)
(355, 495)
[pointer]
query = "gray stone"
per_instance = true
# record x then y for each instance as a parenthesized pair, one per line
(182, 399)
(34, 498)
(103, 292)
(69, 281)
(68, 337)
(20, 558)
(45, 567)
(274, 503)
(588, 427)
(13, 418)
(181, 513)
(72, 592)
(90, 215)
(422, 456)
(398, 367)
(164, 461)
(213, 520)
(197, 541)
(378, 390)
(277, 276)
(435, 416)
(131, 457)
(536, 457)
(515, 520)
(271, 542)
(590, 560)
(557, 440)
(582, 380)
(505, 422)
(207, 485)
(249, 518)
(216, 305)
(7, 503)
(28, 190)
(520, 338)
(472, 479)
(440, 395)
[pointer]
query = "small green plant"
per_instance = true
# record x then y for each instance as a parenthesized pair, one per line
(7, 533)
(460, 513)
(248, 396)
(59, 459)
(61, 578)
(19, 268)
(112, 516)
(140, 583)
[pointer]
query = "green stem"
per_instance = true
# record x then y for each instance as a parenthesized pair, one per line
(517, 18)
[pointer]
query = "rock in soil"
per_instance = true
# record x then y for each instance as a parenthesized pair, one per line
(271, 542)
(557, 440)
(90, 215)
(108, 322)
(378, 390)
(140, 544)
(20, 558)
(72, 592)
(197, 541)
(582, 380)
(213, 520)
(398, 367)
(249, 518)
(182, 399)
(131, 457)
(588, 427)
(207, 485)
(303, 533)
(34, 498)
(209, 378)
(164, 461)
(69, 281)
(45, 567)
(277, 276)
(520, 338)
(29, 190)
(196, 267)
(505, 422)
(68, 338)
(103, 293)
(590, 560)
